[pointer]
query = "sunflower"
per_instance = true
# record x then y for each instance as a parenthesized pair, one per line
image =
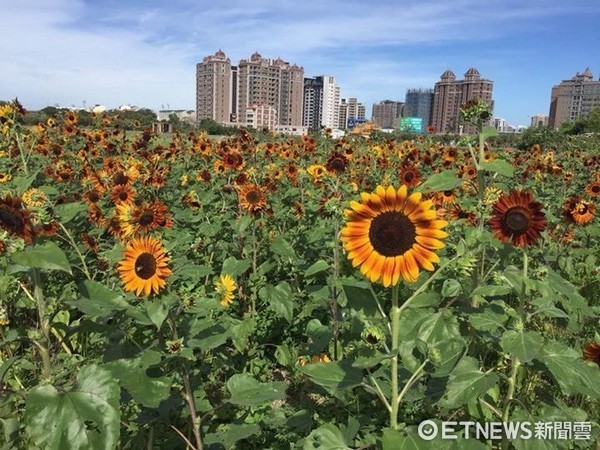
(336, 163)
(390, 234)
(469, 172)
(122, 194)
(15, 219)
(410, 176)
(34, 198)
(593, 189)
(444, 197)
(591, 352)
(252, 198)
(316, 170)
(577, 210)
(4, 177)
(144, 218)
(225, 287)
(144, 266)
(518, 218)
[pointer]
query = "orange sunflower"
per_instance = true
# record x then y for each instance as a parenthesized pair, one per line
(252, 198)
(144, 218)
(390, 234)
(144, 266)
(518, 218)
(593, 189)
(410, 176)
(578, 210)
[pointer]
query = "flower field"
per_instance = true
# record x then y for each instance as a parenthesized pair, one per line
(273, 292)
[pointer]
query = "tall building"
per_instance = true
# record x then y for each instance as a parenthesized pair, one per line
(418, 103)
(224, 92)
(539, 120)
(321, 102)
(574, 98)
(387, 113)
(214, 88)
(351, 109)
(271, 82)
(449, 94)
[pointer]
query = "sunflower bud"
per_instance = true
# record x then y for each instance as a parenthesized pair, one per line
(373, 336)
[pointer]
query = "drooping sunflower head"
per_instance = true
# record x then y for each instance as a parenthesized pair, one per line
(390, 234)
(518, 219)
(144, 267)
(252, 198)
(225, 288)
(591, 352)
(15, 219)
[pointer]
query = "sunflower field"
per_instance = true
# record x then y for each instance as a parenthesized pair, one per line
(263, 291)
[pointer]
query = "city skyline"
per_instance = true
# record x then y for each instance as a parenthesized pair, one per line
(145, 53)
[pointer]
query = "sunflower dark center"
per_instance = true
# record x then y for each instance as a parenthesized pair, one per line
(120, 178)
(146, 218)
(145, 266)
(392, 233)
(517, 220)
(448, 193)
(253, 197)
(123, 195)
(10, 220)
(338, 164)
(408, 176)
(596, 189)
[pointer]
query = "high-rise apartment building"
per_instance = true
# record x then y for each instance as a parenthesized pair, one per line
(271, 82)
(449, 94)
(214, 88)
(418, 103)
(387, 113)
(351, 109)
(574, 98)
(321, 102)
(224, 92)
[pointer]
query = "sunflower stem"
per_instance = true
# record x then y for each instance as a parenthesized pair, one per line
(395, 318)
(84, 266)
(515, 362)
(334, 292)
(38, 295)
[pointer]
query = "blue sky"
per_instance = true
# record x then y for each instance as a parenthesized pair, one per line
(145, 52)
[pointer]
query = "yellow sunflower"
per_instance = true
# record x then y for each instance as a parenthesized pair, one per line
(390, 234)
(144, 267)
(225, 287)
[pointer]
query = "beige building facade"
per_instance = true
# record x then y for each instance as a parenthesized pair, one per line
(574, 98)
(448, 96)
(214, 88)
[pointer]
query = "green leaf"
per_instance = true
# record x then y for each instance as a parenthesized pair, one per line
(67, 211)
(360, 297)
(85, 418)
(426, 299)
(451, 288)
(211, 336)
(492, 291)
(240, 331)
(231, 433)
(326, 437)
(98, 300)
(491, 318)
(133, 376)
(235, 267)
(283, 248)
(157, 311)
(22, 183)
(338, 374)
(573, 375)
(523, 345)
(443, 181)
(46, 256)
(280, 298)
(397, 440)
(499, 166)
(317, 267)
(488, 132)
(466, 382)
(438, 327)
(246, 391)
(320, 335)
